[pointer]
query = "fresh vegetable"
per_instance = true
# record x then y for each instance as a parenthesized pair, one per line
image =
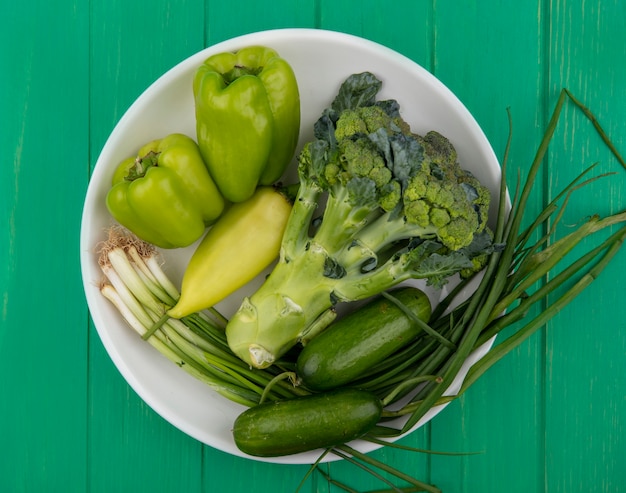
(348, 348)
(399, 206)
(243, 242)
(306, 423)
(141, 291)
(247, 118)
(165, 195)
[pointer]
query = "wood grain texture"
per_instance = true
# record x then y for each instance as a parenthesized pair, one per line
(550, 417)
(585, 397)
(43, 176)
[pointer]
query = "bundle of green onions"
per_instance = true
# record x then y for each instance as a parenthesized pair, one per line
(140, 290)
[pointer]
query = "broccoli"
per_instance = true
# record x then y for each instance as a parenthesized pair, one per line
(392, 206)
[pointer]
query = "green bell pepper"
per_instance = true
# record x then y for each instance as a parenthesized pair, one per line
(247, 108)
(165, 195)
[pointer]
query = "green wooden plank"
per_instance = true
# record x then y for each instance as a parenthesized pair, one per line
(413, 463)
(406, 27)
(225, 20)
(492, 59)
(43, 100)
(131, 46)
(586, 409)
(225, 472)
(131, 448)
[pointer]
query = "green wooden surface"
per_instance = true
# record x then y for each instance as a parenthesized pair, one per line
(551, 417)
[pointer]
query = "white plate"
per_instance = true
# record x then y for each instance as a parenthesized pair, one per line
(321, 61)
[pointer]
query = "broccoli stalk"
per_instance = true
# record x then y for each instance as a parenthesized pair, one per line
(394, 206)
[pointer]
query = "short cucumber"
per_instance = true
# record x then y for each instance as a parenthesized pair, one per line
(361, 339)
(306, 423)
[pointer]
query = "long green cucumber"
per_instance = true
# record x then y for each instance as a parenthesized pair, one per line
(361, 339)
(306, 423)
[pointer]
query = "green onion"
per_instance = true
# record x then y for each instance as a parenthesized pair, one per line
(141, 291)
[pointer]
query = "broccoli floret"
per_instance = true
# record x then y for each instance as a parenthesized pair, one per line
(358, 158)
(364, 120)
(445, 195)
(394, 206)
(390, 196)
(358, 155)
(349, 124)
(439, 150)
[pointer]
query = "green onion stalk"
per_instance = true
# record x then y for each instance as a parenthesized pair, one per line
(137, 286)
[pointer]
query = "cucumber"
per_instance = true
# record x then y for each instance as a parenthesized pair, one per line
(306, 423)
(361, 339)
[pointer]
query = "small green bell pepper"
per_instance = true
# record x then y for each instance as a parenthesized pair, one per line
(247, 108)
(165, 195)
